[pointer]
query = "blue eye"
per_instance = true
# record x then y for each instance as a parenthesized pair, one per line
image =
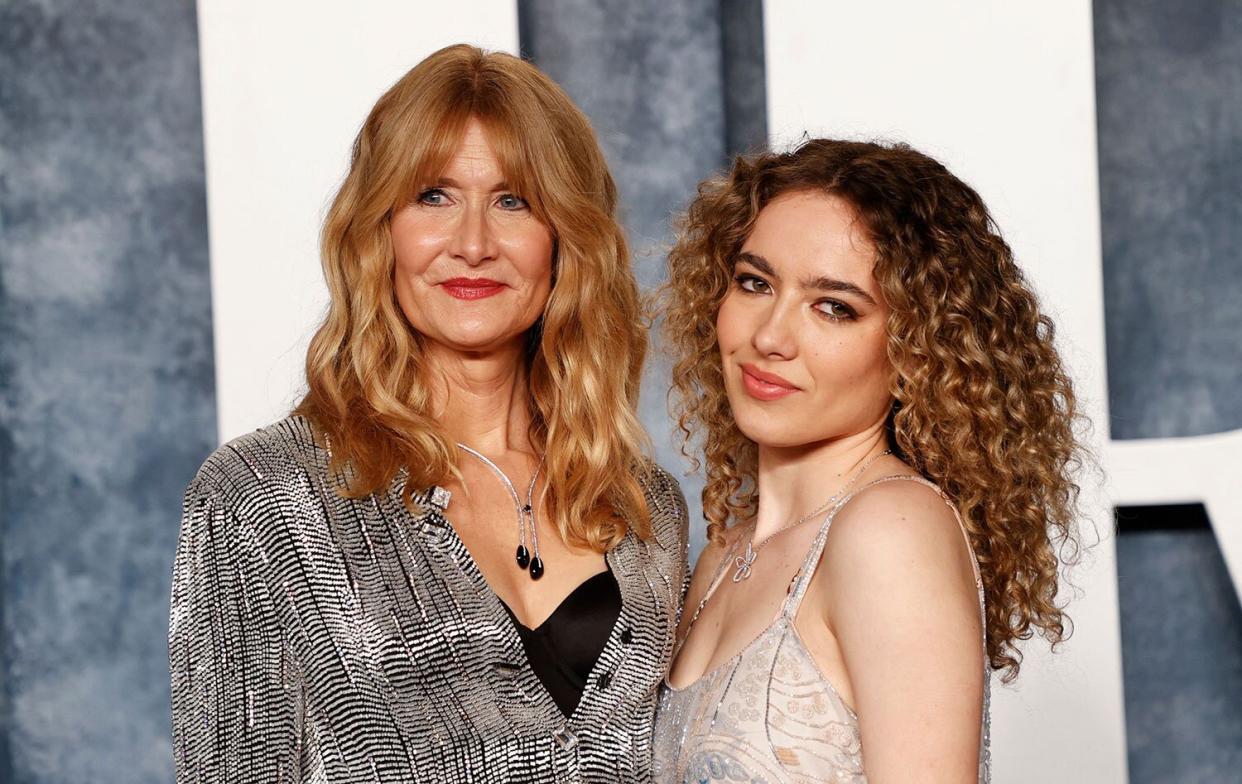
(751, 284)
(433, 197)
(511, 202)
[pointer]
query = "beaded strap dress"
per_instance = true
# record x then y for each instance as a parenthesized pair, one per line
(768, 714)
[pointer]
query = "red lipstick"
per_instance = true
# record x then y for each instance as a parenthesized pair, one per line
(472, 288)
(762, 385)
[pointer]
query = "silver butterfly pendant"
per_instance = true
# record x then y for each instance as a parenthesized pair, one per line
(743, 562)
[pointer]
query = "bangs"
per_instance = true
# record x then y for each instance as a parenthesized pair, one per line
(438, 141)
(431, 146)
(511, 144)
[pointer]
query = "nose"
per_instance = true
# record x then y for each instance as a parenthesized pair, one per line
(473, 239)
(776, 334)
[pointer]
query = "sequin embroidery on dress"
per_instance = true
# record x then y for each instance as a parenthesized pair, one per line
(768, 715)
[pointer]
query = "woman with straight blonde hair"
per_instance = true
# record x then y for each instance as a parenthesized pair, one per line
(453, 561)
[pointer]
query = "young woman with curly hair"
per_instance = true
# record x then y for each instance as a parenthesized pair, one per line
(858, 353)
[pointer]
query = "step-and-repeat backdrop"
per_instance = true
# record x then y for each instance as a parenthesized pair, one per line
(163, 174)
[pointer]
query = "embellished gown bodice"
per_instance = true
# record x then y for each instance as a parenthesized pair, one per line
(768, 714)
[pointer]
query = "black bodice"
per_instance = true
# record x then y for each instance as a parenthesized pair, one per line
(564, 648)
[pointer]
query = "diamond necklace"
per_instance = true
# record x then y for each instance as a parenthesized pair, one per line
(525, 515)
(744, 562)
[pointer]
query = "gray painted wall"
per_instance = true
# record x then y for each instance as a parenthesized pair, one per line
(1169, 103)
(107, 384)
(745, 76)
(673, 89)
(1181, 635)
(1169, 107)
(107, 379)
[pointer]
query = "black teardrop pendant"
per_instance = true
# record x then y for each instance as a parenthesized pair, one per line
(536, 568)
(523, 557)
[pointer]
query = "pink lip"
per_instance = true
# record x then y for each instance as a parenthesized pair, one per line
(472, 288)
(765, 386)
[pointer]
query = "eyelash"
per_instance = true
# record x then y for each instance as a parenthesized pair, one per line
(422, 199)
(743, 278)
(847, 315)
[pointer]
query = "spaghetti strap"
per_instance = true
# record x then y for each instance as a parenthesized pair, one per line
(803, 578)
(711, 589)
(765, 709)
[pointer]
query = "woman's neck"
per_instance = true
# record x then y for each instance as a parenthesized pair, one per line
(482, 399)
(794, 481)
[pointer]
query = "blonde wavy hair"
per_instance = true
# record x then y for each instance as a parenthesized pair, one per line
(982, 404)
(369, 384)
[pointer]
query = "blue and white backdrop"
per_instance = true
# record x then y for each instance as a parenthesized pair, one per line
(164, 168)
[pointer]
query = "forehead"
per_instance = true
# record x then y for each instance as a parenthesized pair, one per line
(484, 153)
(808, 234)
(474, 157)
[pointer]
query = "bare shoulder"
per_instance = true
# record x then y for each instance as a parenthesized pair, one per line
(709, 558)
(901, 605)
(709, 562)
(898, 531)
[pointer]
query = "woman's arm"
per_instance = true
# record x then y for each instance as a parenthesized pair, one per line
(903, 607)
(235, 691)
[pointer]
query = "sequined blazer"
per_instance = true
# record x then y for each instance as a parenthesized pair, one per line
(315, 638)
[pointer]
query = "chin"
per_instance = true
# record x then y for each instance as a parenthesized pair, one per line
(480, 333)
(773, 438)
(771, 428)
(481, 341)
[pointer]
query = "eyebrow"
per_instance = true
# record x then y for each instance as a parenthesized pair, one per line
(820, 283)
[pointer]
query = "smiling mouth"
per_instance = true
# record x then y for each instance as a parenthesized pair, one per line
(765, 386)
(472, 288)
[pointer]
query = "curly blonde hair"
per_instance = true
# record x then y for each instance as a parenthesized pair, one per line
(982, 403)
(369, 387)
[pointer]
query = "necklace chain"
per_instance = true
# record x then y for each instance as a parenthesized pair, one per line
(743, 563)
(525, 514)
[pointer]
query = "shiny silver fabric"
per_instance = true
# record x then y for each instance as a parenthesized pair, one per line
(315, 638)
(768, 714)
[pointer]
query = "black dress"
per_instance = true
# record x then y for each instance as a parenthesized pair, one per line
(564, 648)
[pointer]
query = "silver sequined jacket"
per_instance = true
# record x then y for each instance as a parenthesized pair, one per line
(315, 638)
